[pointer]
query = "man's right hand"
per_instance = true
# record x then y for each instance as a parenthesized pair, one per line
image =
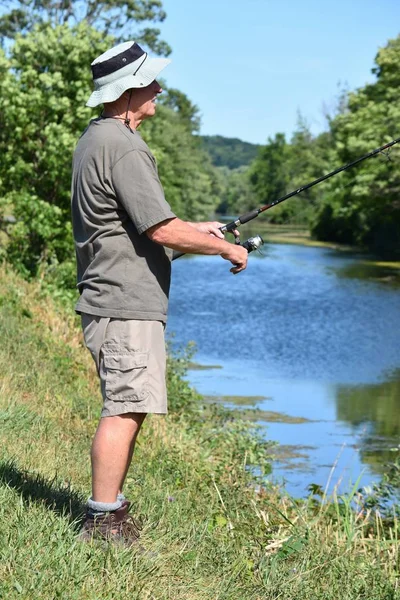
(182, 237)
(238, 256)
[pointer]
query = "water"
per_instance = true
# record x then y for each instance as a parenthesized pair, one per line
(310, 337)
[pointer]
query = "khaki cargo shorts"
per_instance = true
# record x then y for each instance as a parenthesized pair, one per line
(130, 358)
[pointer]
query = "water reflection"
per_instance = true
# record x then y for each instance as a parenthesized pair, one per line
(370, 272)
(373, 411)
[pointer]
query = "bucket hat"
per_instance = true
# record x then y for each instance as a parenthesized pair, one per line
(121, 68)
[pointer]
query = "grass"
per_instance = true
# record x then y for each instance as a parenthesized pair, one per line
(212, 531)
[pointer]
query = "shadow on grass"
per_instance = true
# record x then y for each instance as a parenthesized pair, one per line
(51, 493)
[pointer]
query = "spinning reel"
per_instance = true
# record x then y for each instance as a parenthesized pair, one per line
(253, 243)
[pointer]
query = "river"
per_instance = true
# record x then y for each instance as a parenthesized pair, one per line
(310, 337)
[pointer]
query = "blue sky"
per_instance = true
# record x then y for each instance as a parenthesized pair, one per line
(251, 65)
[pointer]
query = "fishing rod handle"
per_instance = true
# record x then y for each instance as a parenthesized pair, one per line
(240, 220)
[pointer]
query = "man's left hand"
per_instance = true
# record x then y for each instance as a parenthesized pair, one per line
(213, 228)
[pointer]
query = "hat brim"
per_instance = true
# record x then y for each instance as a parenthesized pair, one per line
(109, 92)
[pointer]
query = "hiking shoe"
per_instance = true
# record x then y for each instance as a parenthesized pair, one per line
(118, 527)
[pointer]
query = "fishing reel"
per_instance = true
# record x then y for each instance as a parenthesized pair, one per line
(253, 243)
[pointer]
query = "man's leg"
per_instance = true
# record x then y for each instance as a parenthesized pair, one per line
(130, 360)
(111, 454)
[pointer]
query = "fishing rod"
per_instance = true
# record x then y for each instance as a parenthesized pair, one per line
(254, 213)
(256, 242)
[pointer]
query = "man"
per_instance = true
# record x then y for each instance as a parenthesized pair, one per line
(124, 231)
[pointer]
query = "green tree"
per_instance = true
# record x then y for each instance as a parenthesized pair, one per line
(42, 114)
(112, 17)
(185, 169)
(362, 205)
(229, 152)
(232, 158)
(281, 167)
(235, 191)
(269, 176)
(309, 157)
(180, 103)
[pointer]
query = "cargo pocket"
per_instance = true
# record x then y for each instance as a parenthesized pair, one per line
(126, 376)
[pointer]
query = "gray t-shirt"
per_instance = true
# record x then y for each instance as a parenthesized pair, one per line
(116, 197)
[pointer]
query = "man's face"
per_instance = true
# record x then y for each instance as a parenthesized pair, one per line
(143, 102)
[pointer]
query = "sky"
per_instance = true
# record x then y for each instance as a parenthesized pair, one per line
(252, 65)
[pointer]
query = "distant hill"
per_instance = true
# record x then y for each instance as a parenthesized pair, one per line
(229, 152)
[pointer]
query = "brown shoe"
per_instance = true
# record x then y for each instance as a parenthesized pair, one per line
(118, 527)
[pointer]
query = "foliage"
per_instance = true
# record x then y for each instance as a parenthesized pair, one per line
(364, 206)
(281, 167)
(183, 399)
(231, 157)
(268, 173)
(382, 496)
(229, 152)
(185, 169)
(43, 113)
(234, 190)
(112, 17)
(180, 103)
(361, 205)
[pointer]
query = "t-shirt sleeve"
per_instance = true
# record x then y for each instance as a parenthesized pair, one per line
(139, 190)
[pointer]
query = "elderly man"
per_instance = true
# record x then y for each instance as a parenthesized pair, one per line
(124, 230)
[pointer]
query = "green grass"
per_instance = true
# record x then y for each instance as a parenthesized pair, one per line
(211, 534)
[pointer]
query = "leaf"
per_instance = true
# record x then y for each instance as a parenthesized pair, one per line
(292, 546)
(220, 521)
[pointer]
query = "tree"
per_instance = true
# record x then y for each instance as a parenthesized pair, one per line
(309, 157)
(180, 103)
(42, 114)
(364, 201)
(185, 169)
(229, 152)
(281, 167)
(112, 17)
(268, 173)
(235, 192)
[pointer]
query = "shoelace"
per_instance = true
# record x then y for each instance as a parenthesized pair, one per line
(128, 526)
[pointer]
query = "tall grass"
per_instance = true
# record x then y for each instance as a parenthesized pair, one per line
(209, 531)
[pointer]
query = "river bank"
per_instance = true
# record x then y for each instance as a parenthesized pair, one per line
(293, 234)
(213, 529)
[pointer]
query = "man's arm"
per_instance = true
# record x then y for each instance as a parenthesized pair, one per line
(185, 237)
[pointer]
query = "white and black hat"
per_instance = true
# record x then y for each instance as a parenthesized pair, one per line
(121, 68)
